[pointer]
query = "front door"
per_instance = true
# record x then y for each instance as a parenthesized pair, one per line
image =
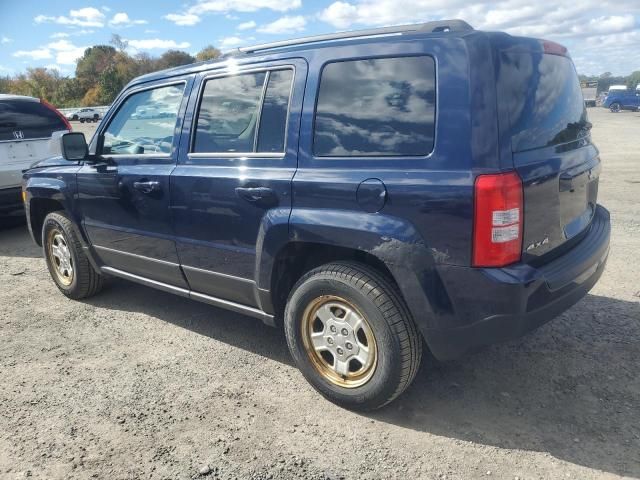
(124, 198)
(233, 179)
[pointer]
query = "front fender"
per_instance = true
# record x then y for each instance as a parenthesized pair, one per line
(52, 183)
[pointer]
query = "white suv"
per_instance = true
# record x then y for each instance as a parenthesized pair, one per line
(87, 115)
(26, 128)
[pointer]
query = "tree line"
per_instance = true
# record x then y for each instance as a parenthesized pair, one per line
(606, 79)
(101, 73)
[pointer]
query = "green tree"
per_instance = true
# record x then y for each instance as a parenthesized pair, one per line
(633, 80)
(90, 66)
(110, 83)
(208, 53)
(174, 58)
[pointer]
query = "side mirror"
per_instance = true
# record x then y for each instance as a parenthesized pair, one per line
(74, 146)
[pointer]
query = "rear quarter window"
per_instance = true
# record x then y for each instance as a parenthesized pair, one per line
(376, 107)
(543, 99)
(27, 119)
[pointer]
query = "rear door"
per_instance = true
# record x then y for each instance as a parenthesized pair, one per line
(546, 127)
(124, 200)
(233, 178)
(26, 126)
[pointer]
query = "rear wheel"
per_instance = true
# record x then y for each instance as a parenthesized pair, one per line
(82, 120)
(352, 336)
(615, 107)
(67, 263)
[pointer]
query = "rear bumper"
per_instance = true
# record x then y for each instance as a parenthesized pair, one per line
(11, 202)
(494, 305)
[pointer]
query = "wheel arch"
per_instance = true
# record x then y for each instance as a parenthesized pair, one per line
(39, 208)
(390, 245)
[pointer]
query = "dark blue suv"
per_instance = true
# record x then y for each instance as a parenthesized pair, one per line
(372, 192)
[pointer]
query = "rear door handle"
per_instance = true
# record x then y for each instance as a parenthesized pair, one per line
(147, 186)
(255, 194)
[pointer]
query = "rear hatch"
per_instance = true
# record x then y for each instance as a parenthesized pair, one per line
(26, 127)
(544, 121)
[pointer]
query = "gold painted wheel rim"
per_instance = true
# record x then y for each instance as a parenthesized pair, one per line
(60, 257)
(339, 341)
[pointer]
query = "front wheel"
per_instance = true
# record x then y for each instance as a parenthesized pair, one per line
(615, 107)
(67, 263)
(352, 336)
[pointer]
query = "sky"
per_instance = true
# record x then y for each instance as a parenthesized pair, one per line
(601, 35)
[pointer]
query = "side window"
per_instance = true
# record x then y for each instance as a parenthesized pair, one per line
(145, 122)
(244, 113)
(273, 120)
(376, 107)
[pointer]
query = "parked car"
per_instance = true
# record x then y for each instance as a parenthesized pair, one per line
(72, 115)
(344, 187)
(618, 100)
(85, 115)
(26, 126)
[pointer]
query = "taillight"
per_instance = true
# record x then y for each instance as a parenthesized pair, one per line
(497, 223)
(62, 117)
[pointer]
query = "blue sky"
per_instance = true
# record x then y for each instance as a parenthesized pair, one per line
(601, 35)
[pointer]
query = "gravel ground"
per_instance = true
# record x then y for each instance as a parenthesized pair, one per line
(136, 383)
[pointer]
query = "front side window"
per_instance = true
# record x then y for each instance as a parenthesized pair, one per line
(145, 123)
(376, 107)
(244, 113)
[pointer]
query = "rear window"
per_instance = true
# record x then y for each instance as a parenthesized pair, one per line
(376, 107)
(544, 100)
(27, 119)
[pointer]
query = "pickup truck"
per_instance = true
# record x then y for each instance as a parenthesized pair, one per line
(622, 100)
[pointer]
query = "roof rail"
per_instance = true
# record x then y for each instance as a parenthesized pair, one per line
(428, 27)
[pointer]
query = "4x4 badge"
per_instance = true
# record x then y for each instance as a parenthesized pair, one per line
(18, 135)
(534, 245)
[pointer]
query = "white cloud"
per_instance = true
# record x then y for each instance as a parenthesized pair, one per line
(65, 52)
(121, 19)
(228, 42)
(247, 25)
(284, 25)
(183, 19)
(156, 43)
(4, 40)
(193, 14)
(55, 66)
(35, 54)
(83, 17)
(59, 35)
(572, 24)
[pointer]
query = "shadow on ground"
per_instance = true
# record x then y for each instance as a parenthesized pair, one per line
(15, 240)
(570, 389)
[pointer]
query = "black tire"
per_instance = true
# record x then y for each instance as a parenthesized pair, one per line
(84, 281)
(615, 107)
(82, 120)
(398, 344)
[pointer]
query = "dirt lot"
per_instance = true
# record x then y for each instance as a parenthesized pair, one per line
(136, 383)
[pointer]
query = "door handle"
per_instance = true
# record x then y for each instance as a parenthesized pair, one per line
(255, 194)
(147, 186)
